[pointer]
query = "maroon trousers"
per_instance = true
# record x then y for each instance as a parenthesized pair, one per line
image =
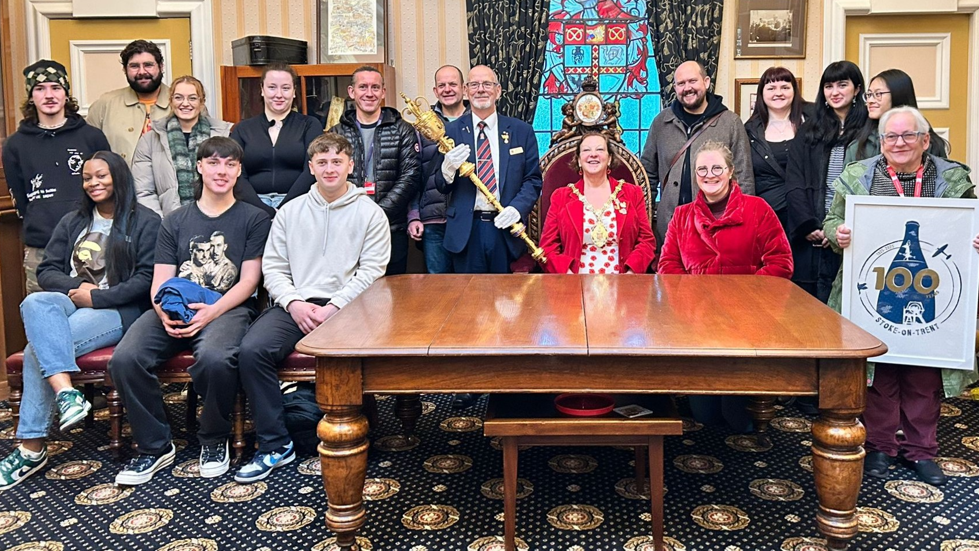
(909, 398)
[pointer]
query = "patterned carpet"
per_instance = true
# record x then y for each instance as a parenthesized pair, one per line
(444, 493)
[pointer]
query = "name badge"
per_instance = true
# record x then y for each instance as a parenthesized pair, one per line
(516, 150)
(369, 187)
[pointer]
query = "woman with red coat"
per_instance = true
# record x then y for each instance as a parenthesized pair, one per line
(598, 225)
(724, 232)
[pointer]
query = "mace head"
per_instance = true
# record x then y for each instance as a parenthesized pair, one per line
(426, 121)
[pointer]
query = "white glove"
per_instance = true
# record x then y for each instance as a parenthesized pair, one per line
(507, 217)
(453, 160)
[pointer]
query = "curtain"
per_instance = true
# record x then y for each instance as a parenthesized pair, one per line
(684, 30)
(510, 36)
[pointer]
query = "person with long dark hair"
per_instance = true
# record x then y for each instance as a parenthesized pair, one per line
(772, 129)
(95, 278)
(815, 161)
(887, 90)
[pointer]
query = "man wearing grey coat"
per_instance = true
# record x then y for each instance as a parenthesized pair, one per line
(694, 110)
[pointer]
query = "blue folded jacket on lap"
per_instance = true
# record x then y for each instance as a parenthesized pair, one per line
(176, 293)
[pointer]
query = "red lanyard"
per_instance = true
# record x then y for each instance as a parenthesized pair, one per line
(917, 180)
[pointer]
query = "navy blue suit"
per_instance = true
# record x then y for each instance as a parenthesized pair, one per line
(519, 181)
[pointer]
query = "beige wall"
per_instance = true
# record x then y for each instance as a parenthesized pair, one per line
(809, 69)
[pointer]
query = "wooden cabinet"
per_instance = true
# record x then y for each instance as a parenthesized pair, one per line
(241, 96)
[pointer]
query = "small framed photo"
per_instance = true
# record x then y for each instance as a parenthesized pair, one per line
(746, 95)
(351, 31)
(770, 29)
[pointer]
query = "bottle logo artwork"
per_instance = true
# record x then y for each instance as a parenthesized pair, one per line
(910, 287)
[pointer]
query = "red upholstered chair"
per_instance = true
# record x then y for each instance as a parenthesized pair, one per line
(586, 112)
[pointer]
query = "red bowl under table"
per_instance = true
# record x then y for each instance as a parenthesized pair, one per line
(584, 405)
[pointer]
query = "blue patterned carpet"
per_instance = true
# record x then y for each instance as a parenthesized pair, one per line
(444, 493)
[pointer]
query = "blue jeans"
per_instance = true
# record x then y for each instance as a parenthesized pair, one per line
(57, 333)
(437, 259)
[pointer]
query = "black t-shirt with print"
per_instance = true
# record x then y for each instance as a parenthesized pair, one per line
(210, 250)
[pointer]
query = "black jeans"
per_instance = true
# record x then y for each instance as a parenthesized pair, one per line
(146, 345)
(268, 342)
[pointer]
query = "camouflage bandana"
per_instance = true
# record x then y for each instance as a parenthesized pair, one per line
(46, 70)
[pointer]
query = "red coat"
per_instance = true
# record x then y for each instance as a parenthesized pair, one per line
(562, 235)
(748, 239)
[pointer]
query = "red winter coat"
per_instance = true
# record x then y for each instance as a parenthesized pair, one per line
(562, 235)
(748, 239)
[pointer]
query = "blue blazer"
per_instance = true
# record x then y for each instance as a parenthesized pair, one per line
(519, 180)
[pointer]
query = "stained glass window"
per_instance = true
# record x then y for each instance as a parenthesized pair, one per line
(611, 41)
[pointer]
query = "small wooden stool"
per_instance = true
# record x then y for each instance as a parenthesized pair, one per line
(529, 420)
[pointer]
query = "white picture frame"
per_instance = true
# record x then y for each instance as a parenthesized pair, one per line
(920, 300)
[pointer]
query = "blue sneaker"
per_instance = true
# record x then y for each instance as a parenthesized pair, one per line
(262, 464)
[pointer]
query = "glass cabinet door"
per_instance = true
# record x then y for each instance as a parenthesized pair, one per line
(320, 91)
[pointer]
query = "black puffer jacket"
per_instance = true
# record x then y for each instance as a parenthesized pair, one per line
(396, 166)
(430, 203)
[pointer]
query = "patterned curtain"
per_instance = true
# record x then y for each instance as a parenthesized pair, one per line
(684, 30)
(509, 36)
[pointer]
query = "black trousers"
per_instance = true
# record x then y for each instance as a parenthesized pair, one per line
(268, 342)
(146, 345)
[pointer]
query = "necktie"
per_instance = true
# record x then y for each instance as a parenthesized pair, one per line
(484, 160)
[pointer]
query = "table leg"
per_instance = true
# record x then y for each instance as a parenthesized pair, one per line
(509, 493)
(837, 461)
(343, 461)
(408, 408)
(762, 410)
(656, 489)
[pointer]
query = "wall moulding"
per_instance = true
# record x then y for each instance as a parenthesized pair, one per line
(39, 13)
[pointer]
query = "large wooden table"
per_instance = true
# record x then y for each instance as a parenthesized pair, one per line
(758, 336)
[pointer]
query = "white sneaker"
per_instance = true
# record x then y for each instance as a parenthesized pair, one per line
(214, 460)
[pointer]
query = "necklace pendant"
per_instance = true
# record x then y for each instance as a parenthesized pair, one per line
(599, 235)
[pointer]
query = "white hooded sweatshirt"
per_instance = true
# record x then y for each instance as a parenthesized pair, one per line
(324, 250)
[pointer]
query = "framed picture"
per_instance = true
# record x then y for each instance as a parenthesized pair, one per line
(746, 95)
(351, 31)
(911, 277)
(770, 28)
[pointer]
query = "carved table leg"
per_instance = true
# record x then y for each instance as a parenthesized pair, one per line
(762, 410)
(837, 463)
(837, 450)
(343, 461)
(408, 408)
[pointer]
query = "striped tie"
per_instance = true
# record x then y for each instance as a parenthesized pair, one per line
(484, 160)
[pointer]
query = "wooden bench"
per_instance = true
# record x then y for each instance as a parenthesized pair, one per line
(532, 420)
(94, 370)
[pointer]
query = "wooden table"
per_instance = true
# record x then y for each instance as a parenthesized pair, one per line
(758, 336)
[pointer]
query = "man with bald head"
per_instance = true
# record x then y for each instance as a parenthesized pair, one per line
(426, 217)
(504, 151)
(695, 116)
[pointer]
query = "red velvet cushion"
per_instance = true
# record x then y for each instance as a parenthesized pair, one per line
(95, 361)
(297, 361)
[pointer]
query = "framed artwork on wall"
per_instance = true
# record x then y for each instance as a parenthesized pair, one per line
(746, 94)
(770, 29)
(351, 31)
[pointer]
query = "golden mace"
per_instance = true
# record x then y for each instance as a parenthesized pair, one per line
(429, 124)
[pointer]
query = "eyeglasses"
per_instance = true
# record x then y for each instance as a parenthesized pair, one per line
(874, 95)
(484, 85)
(716, 170)
(909, 138)
(189, 99)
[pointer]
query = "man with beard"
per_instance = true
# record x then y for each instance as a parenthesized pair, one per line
(125, 114)
(695, 116)
(426, 219)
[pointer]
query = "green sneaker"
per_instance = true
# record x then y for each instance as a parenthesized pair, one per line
(15, 467)
(73, 407)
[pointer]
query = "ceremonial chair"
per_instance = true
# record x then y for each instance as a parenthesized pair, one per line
(586, 112)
